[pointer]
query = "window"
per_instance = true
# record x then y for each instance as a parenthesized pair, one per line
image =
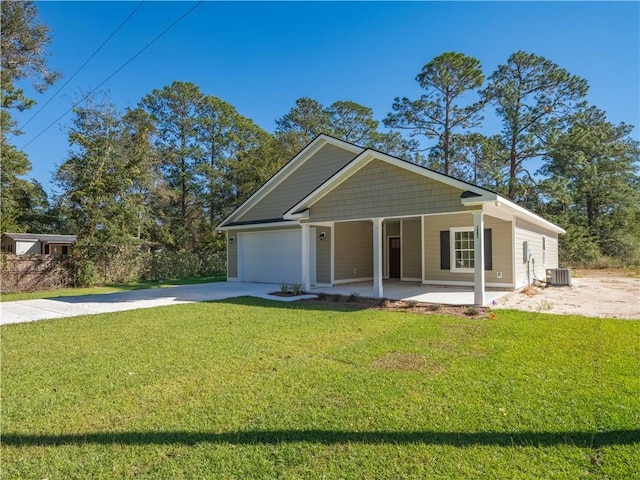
(544, 250)
(462, 250)
(65, 250)
(46, 249)
(449, 239)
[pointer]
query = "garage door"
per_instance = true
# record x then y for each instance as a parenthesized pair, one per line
(270, 257)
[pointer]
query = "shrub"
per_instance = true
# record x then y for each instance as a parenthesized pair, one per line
(472, 311)
(86, 274)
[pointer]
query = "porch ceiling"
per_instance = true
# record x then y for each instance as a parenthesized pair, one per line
(395, 290)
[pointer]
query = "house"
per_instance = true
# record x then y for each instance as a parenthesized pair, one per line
(37, 244)
(339, 213)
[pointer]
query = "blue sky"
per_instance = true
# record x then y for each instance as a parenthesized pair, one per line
(260, 57)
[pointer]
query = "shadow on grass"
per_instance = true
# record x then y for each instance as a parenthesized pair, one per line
(342, 305)
(333, 437)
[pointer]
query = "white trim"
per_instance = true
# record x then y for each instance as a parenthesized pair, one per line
(478, 256)
(452, 250)
(513, 249)
(401, 248)
(387, 249)
(290, 167)
(399, 217)
(353, 280)
(422, 252)
(304, 261)
(333, 252)
(254, 226)
(226, 238)
(367, 156)
(378, 287)
(448, 283)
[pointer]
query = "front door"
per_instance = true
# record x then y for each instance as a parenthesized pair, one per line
(394, 257)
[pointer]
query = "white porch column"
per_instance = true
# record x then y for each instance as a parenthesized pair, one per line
(377, 257)
(478, 232)
(306, 283)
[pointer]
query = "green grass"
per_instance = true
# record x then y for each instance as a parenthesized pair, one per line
(257, 389)
(108, 288)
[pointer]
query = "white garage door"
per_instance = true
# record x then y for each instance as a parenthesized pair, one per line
(270, 257)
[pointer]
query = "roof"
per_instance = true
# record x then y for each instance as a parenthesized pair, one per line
(42, 237)
(472, 194)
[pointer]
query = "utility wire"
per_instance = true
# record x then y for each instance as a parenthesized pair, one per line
(83, 65)
(113, 74)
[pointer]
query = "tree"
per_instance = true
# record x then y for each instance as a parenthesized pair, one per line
(175, 112)
(105, 179)
(536, 100)
(439, 113)
(346, 120)
(226, 137)
(593, 184)
(477, 159)
(23, 57)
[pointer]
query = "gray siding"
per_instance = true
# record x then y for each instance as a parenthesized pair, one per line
(383, 190)
(232, 255)
(411, 250)
(501, 248)
(528, 232)
(353, 250)
(311, 174)
(323, 255)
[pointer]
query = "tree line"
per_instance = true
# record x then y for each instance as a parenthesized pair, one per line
(166, 171)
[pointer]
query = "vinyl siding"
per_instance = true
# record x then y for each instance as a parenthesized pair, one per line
(323, 255)
(307, 177)
(528, 232)
(501, 248)
(353, 250)
(410, 250)
(383, 190)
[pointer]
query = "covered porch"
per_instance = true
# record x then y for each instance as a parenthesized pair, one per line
(396, 290)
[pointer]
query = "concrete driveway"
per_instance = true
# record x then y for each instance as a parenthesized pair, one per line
(32, 310)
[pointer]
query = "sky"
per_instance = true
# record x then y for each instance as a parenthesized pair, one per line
(261, 56)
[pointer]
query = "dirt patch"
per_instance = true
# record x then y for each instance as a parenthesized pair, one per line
(409, 306)
(594, 293)
(402, 361)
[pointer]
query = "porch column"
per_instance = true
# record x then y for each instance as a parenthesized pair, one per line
(305, 283)
(478, 231)
(377, 257)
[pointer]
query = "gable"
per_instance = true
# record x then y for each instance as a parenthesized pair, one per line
(380, 189)
(303, 180)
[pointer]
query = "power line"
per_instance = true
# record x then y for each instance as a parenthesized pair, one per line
(83, 65)
(113, 74)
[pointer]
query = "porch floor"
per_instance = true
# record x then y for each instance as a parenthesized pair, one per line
(395, 290)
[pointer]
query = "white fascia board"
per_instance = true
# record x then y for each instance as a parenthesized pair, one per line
(255, 226)
(530, 216)
(290, 167)
(367, 156)
(412, 167)
(343, 174)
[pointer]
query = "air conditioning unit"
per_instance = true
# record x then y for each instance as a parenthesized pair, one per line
(559, 276)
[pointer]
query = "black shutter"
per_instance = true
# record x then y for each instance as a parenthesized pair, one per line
(488, 250)
(445, 254)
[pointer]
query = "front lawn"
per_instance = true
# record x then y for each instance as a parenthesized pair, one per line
(108, 288)
(249, 388)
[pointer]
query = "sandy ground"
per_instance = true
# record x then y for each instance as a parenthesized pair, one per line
(592, 294)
